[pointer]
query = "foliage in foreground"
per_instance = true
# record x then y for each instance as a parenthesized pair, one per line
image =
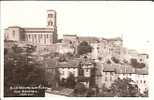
(20, 69)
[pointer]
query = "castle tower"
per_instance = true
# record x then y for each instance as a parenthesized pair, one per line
(51, 19)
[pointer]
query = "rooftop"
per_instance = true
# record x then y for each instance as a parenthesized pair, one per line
(124, 69)
(69, 64)
(109, 68)
(88, 39)
(112, 39)
(14, 27)
(143, 71)
(72, 35)
(51, 10)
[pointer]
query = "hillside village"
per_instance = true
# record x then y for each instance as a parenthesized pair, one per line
(93, 62)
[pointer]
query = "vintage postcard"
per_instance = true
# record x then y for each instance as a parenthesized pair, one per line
(76, 49)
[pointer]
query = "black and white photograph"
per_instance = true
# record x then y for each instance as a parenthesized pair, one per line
(76, 49)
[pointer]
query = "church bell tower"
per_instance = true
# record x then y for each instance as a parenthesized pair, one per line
(51, 19)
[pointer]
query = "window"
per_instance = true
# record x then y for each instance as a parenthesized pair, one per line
(144, 81)
(35, 36)
(50, 40)
(50, 23)
(86, 70)
(81, 72)
(141, 81)
(50, 15)
(74, 72)
(105, 78)
(13, 33)
(44, 39)
(62, 73)
(29, 36)
(111, 73)
(110, 78)
(39, 38)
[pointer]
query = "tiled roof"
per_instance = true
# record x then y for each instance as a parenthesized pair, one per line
(125, 69)
(72, 63)
(70, 35)
(88, 39)
(52, 63)
(14, 27)
(143, 71)
(51, 10)
(86, 62)
(112, 39)
(108, 68)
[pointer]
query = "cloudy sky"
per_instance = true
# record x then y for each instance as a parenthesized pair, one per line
(130, 20)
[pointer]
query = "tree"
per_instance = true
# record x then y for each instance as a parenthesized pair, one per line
(124, 88)
(108, 62)
(115, 60)
(5, 51)
(91, 92)
(80, 89)
(62, 58)
(133, 62)
(136, 64)
(53, 54)
(57, 77)
(53, 78)
(21, 69)
(145, 93)
(92, 76)
(103, 91)
(63, 82)
(84, 48)
(71, 81)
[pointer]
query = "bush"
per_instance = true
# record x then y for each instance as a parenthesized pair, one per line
(84, 48)
(115, 60)
(80, 89)
(136, 64)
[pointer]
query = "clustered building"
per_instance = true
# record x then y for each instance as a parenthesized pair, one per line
(103, 52)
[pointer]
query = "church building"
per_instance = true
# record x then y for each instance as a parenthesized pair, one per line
(36, 36)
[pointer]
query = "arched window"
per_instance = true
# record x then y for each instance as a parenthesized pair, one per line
(50, 15)
(13, 32)
(50, 23)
